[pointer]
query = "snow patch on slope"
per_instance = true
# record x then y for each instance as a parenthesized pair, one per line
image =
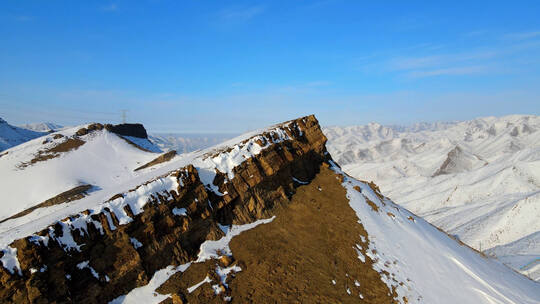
(147, 294)
(215, 249)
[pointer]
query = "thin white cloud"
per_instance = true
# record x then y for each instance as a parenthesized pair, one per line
(110, 8)
(430, 61)
(23, 18)
(522, 35)
(475, 33)
(464, 70)
(408, 63)
(319, 83)
(241, 14)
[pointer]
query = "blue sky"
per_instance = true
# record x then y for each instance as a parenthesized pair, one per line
(231, 66)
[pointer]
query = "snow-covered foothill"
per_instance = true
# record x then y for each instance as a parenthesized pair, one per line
(104, 160)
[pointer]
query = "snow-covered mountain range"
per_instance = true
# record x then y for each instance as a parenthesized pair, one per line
(478, 180)
(188, 142)
(97, 214)
(43, 127)
(11, 136)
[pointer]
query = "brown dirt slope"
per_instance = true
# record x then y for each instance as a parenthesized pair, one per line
(158, 160)
(295, 258)
(43, 155)
(64, 197)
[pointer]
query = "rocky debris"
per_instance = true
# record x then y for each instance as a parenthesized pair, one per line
(165, 157)
(64, 197)
(261, 185)
(90, 128)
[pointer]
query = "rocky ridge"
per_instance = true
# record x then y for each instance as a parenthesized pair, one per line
(90, 257)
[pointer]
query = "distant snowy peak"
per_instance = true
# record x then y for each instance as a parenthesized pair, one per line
(11, 136)
(488, 136)
(42, 127)
(458, 161)
(423, 126)
(364, 133)
(188, 142)
(480, 128)
(514, 126)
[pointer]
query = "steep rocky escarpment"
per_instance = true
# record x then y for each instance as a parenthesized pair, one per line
(104, 252)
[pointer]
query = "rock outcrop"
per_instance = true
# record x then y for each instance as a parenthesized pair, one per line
(99, 254)
(133, 130)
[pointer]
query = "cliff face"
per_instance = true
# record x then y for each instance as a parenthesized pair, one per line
(99, 254)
